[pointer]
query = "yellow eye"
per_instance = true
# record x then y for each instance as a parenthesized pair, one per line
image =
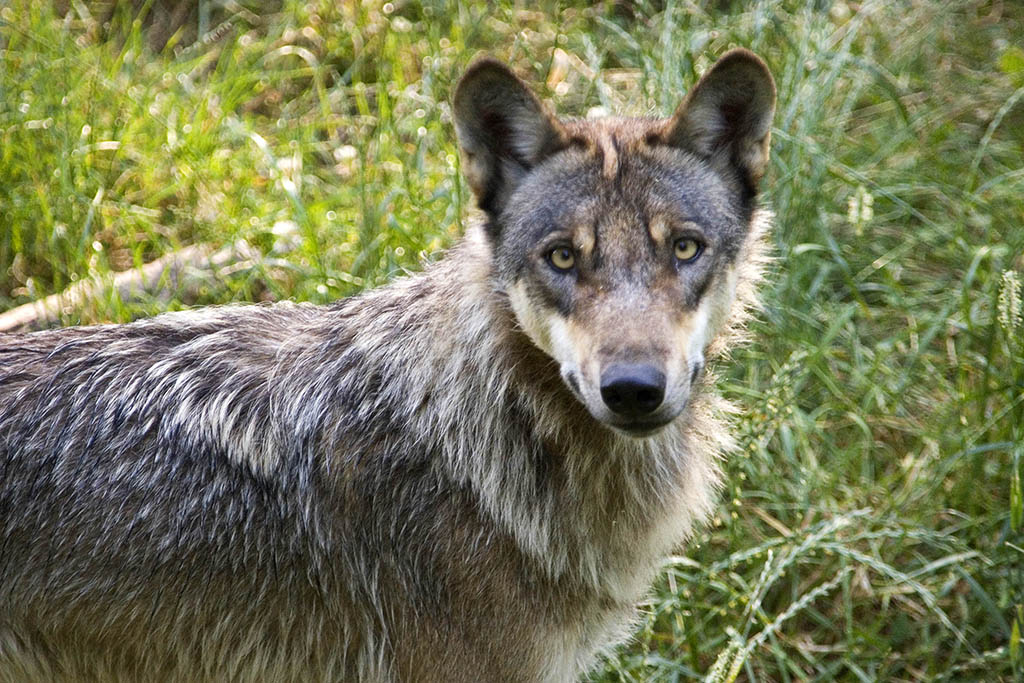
(562, 258)
(687, 249)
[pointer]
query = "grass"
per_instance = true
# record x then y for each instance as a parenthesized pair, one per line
(871, 529)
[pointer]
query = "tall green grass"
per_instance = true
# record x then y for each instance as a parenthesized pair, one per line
(871, 529)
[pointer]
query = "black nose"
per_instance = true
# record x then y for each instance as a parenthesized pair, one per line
(632, 390)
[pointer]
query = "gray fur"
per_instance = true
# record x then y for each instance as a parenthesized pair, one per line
(402, 486)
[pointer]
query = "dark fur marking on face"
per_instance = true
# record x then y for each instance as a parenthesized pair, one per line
(696, 293)
(561, 296)
(574, 383)
(695, 372)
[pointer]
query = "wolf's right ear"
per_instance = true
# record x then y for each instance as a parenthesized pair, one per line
(503, 131)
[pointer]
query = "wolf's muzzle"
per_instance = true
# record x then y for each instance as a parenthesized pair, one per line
(633, 391)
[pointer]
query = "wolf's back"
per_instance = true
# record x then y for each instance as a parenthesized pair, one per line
(148, 486)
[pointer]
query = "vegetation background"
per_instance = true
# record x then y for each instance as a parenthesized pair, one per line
(872, 525)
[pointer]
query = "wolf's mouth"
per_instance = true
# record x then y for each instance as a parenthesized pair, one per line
(640, 430)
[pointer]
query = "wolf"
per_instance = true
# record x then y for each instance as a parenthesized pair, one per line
(471, 474)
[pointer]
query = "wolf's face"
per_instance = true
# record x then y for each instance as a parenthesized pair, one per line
(616, 240)
(623, 281)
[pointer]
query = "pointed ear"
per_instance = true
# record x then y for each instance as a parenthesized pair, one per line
(503, 131)
(727, 117)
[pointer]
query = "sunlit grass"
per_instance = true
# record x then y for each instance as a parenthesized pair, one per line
(871, 527)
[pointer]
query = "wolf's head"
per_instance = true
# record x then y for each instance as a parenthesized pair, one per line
(616, 240)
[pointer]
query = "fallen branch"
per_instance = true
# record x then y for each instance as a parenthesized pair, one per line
(173, 274)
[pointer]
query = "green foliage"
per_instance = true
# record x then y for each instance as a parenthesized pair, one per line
(871, 528)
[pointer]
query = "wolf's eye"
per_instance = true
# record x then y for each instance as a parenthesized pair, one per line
(688, 249)
(562, 258)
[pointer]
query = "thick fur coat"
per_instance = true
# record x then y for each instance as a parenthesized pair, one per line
(416, 484)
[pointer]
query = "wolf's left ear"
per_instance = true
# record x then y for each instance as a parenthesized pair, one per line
(727, 117)
(503, 131)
